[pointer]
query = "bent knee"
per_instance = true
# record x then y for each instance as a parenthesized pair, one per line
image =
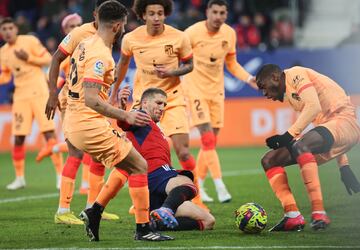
(266, 161)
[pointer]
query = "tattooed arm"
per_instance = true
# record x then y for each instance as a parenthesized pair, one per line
(186, 67)
(93, 101)
(121, 69)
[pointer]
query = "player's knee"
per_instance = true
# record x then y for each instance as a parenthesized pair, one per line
(298, 148)
(75, 153)
(97, 168)
(208, 140)
(209, 222)
(183, 154)
(266, 161)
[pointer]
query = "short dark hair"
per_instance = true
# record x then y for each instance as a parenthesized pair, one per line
(111, 10)
(140, 6)
(99, 2)
(266, 70)
(150, 92)
(7, 20)
(218, 2)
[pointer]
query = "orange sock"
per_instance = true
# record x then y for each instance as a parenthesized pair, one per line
(68, 181)
(96, 181)
(310, 176)
(201, 166)
(114, 183)
(18, 157)
(208, 146)
(86, 167)
(279, 183)
(139, 193)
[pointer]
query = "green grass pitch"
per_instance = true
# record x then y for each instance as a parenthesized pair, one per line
(27, 215)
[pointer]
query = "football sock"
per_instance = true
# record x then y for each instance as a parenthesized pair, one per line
(18, 157)
(279, 183)
(60, 148)
(208, 146)
(219, 183)
(96, 181)
(139, 193)
(201, 167)
(310, 176)
(178, 195)
(189, 164)
(85, 170)
(114, 183)
(68, 181)
(57, 160)
(185, 224)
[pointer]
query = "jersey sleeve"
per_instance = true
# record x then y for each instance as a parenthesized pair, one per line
(38, 55)
(5, 72)
(95, 68)
(125, 46)
(69, 43)
(232, 49)
(299, 80)
(185, 48)
(189, 32)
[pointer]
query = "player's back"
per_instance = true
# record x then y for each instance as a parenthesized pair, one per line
(167, 49)
(91, 62)
(209, 52)
(29, 78)
(331, 96)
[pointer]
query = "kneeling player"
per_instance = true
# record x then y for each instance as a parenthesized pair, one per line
(170, 191)
(323, 102)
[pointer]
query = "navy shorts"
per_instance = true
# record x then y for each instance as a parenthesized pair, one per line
(158, 180)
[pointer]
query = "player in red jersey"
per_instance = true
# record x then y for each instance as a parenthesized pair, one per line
(170, 191)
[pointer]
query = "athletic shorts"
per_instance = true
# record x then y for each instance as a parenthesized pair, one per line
(346, 133)
(103, 143)
(63, 97)
(24, 112)
(206, 111)
(175, 119)
(158, 180)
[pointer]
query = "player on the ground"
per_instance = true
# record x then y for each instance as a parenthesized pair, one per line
(96, 171)
(214, 44)
(324, 103)
(170, 191)
(162, 54)
(23, 57)
(86, 126)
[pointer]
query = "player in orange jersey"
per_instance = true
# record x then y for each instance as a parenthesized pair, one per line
(214, 44)
(86, 126)
(23, 57)
(96, 171)
(324, 103)
(162, 54)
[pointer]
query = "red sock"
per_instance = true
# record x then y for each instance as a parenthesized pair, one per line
(189, 164)
(18, 157)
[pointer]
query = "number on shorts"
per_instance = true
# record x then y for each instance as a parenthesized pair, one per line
(73, 72)
(197, 105)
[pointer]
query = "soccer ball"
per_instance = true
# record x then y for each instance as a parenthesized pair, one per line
(250, 218)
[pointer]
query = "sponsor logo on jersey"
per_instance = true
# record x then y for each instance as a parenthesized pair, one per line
(66, 40)
(99, 68)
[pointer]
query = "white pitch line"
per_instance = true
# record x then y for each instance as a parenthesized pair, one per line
(52, 195)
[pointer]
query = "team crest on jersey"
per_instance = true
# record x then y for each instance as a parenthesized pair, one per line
(169, 49)
(297, 79)
(224, 44)
(66, 40)
(99, 68)
(296, 96)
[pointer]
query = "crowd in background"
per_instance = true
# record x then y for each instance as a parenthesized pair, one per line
(259, 24)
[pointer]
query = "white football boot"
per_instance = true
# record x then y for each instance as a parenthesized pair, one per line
(204, 196)
(222, 193)
(18, 183)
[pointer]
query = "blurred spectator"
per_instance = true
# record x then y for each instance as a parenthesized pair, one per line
(248, 35)
(285, 30)
(51, 44)
(23, 23)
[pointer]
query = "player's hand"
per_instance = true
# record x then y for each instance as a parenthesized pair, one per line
(162, 72)
(21, 54)
(51, 105)
(137, 118)
(278, 141)
(123, 96)
(349, 179)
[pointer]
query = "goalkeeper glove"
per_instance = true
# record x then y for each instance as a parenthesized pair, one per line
(278, 141)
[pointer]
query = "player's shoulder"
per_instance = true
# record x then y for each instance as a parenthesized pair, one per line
(137, 33)
(196, 27)
(85, 28)
(170, 30)
(296, 76)
(227, 29)
(28, 39)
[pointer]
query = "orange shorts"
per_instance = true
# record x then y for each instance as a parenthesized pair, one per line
(24, 112)
(346, 133)
(175, 119)
(104, 144)
(63, 97)
(206, 111)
